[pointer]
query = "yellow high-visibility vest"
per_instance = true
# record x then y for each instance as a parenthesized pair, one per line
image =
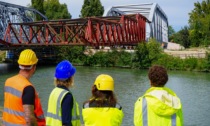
(102, 116)
(159, 106)
(54, 111)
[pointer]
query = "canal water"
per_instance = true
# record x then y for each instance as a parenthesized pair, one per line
(193, 88)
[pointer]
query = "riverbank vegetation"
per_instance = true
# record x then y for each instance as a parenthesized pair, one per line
(142, 57)
(2, 55)
(196, 34)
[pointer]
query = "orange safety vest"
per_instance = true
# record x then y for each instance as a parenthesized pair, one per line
(13, 113)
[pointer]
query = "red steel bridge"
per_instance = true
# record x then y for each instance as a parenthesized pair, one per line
(19, 30)
(91, 31)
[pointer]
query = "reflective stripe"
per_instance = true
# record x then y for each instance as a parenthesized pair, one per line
(17, 113)
(144, 110)
(173, 119)
(13, 91)
(86, 105)
(59, 101)
(75, 116)
(10, 124)
(54, 116)
(145, 117)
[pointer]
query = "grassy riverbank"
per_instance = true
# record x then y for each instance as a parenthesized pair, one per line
(2, 55)
(142, 57)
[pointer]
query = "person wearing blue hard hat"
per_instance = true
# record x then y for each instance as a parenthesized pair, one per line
(63, 110)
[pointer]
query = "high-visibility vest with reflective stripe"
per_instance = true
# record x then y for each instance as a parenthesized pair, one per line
(102, 116)
(149, 118)
(13, 114)
(54, 111)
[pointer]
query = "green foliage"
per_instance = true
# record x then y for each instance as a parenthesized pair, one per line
(125, 59)
(195, 36)
(151, 53)
(147, 53)
(198, 33)
(92, 8)
(182, 37)
(154, 49)
(38, 5)
(170, 62)
(111, 58)
(55, 10)
(72, 53)
(2, 55)
(199, 22)
(100, 59)
(189, 64)
(202, 65)
(141, 59)
(171, 31)
(208, 61)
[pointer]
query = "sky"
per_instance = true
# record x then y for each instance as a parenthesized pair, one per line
(177, 11)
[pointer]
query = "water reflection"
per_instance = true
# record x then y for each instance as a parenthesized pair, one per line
(7, 67)
(192, 87)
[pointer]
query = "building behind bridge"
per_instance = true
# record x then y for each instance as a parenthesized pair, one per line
(158, 26)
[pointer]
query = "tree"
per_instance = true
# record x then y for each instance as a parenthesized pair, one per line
(171, 32)
(141, 58)
(38, 5)
(195, 35)
(184, 36)
(199, 22)
(147, 53)
(92, 8)
(72, 53)
(55, 10)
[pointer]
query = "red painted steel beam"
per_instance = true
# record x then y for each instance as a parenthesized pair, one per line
(93, 31)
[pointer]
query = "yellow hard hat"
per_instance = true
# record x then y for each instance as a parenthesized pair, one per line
(104, 82)
(27, 57)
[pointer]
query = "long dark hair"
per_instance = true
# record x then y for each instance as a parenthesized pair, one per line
(102, 98)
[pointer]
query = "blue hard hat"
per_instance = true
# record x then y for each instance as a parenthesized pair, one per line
(64, 70)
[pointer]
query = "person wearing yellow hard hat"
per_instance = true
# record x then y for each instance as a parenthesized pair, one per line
(22, 105)
(63, 110)
(102, 108)
(159, 106)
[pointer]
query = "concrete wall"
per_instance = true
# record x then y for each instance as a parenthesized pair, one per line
(173, 46)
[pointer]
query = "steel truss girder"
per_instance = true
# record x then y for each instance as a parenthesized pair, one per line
(11, 13)
(93, 31)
